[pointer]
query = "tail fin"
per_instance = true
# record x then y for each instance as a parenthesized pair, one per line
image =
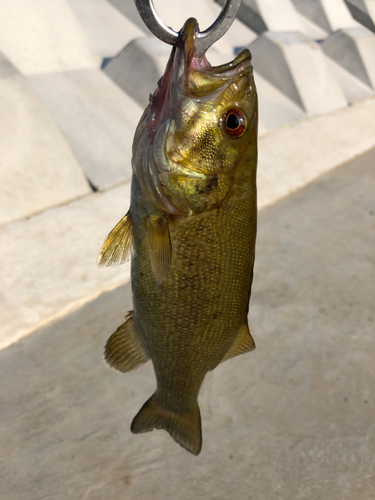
(185, 428)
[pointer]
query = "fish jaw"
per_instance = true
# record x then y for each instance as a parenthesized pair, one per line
(182, 155)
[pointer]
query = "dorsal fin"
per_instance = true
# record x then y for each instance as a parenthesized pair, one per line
(118, 244)
(124, 351)
(243, 342)
(160, 245)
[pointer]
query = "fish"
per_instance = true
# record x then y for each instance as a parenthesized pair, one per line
(191, 233)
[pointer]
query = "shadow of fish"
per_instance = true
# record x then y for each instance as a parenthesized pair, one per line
(191, 228)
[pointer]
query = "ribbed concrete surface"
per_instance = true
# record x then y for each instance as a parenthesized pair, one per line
(292, 420)
(38, 289)
(61, 47)
(37, 166)
(97, 118)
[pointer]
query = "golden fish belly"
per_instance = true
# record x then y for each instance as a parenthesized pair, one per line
(189, 322)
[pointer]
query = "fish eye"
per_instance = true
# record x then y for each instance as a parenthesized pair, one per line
(234, 122)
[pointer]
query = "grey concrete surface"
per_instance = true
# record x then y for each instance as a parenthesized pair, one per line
(330, 15)
(354, 49)
(48, 262)
(295, 64)
(263, 15)
(275, 108)
(37, 166)
(311, 29)
(353, 88)
(294, 420)
(97, 118)
(273, 15)
(138, 67)
(296, 154)
(363, 11)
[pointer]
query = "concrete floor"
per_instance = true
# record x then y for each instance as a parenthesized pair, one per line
(294, 420)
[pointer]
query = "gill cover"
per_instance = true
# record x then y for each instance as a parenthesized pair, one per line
(195, 130)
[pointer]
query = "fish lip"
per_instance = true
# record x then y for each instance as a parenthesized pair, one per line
(187, 40)
(240, 63)
(188, 35)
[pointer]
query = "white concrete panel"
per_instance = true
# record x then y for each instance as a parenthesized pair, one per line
(294, 155)
(275, 108)
(297, 67)
(354, 49)
(353, 88)
(330, 15)
(107, 29)
(262, 129)
(43, 35)
(363, 11)
(48, 263)
(37, 166)
(97, 118)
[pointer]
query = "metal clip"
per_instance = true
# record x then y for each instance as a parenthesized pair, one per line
(204, 39)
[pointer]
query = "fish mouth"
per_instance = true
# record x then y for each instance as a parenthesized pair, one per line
(193, 62)
(239, 64)
(187, 73)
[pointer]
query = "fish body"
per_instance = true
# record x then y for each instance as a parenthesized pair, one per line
(192, 229)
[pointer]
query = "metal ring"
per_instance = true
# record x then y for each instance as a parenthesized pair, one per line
(204, 39)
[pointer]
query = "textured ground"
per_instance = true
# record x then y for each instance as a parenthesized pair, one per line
(294, 420)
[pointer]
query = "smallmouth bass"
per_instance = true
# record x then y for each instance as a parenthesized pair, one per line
(191, 228)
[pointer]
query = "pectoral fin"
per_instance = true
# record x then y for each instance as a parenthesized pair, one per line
(124, 351)
(118, 244)
(160, 246)
(243, 342)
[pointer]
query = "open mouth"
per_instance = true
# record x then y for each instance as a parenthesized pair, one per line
(194, 62)
(201, 78)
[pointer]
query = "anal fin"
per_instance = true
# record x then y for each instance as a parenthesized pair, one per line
(124, 351)
(118, 244)
(243, 342)
(160, 245)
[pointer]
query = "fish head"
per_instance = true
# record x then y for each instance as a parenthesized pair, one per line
(199, 124)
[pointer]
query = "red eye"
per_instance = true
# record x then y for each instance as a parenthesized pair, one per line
(234, 122)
